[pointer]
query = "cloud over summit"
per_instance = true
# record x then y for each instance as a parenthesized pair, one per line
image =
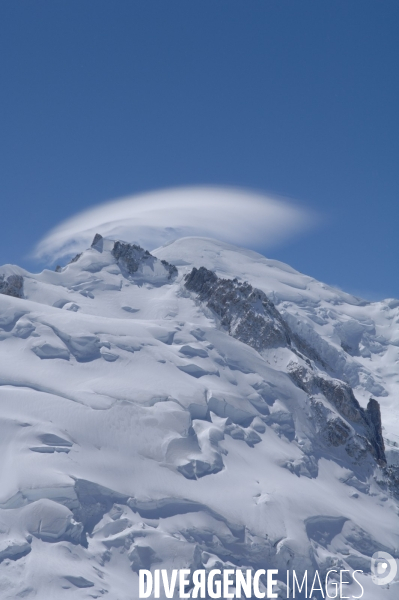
(152, 219)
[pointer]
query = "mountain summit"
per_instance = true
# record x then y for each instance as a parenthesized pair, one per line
(198, 407)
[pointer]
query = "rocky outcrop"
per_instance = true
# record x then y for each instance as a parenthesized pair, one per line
(97, 240)
(337, 432)
(246, 312)
(132, 258)
(12, 286)
(59, 269)
(340, 395)
(392, 479)
(75, 258)
(170, 268)
(373, 414)
(362, 430)
(250, 316)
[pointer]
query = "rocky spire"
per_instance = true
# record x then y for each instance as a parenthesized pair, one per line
(373, 413)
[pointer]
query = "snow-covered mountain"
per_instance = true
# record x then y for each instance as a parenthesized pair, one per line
(197, 407)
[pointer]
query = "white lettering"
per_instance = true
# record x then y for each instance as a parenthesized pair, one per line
(145, 579)
(199, 583)
(358, 583)
(216, 591)
(319, 589)
(227, 583)
(271, 582)
(331, 584)
(157, 586)
(243, 584)
(183, 582)
(257, 592)
(169, 588)
(304, 583)
(342, 582)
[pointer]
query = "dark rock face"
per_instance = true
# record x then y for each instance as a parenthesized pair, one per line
(171, 268)
(75, 258)
(373, 413)
(337, 432)
(97, 238)
(12, 286)
(93, 502)
(131, 256)
(247, 313)
(392, 475)
(201, 281)
(244, 311)
(362, 430)
(342, 397)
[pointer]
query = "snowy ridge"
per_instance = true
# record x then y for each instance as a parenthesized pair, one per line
(251, 317)
(156, 414)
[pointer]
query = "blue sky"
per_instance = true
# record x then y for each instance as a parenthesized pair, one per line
(101, 99)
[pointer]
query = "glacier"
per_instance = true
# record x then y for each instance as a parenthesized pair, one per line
(196, 407)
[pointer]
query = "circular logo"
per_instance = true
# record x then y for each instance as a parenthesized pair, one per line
(383, 568)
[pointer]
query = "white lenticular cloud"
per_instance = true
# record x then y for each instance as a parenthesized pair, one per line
(152, 219)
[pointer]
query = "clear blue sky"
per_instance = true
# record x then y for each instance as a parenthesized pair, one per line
(100, 99)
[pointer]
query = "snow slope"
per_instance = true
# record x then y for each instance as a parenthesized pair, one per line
(139, 430)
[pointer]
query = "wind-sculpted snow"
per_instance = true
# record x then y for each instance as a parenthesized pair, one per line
(147, 423)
